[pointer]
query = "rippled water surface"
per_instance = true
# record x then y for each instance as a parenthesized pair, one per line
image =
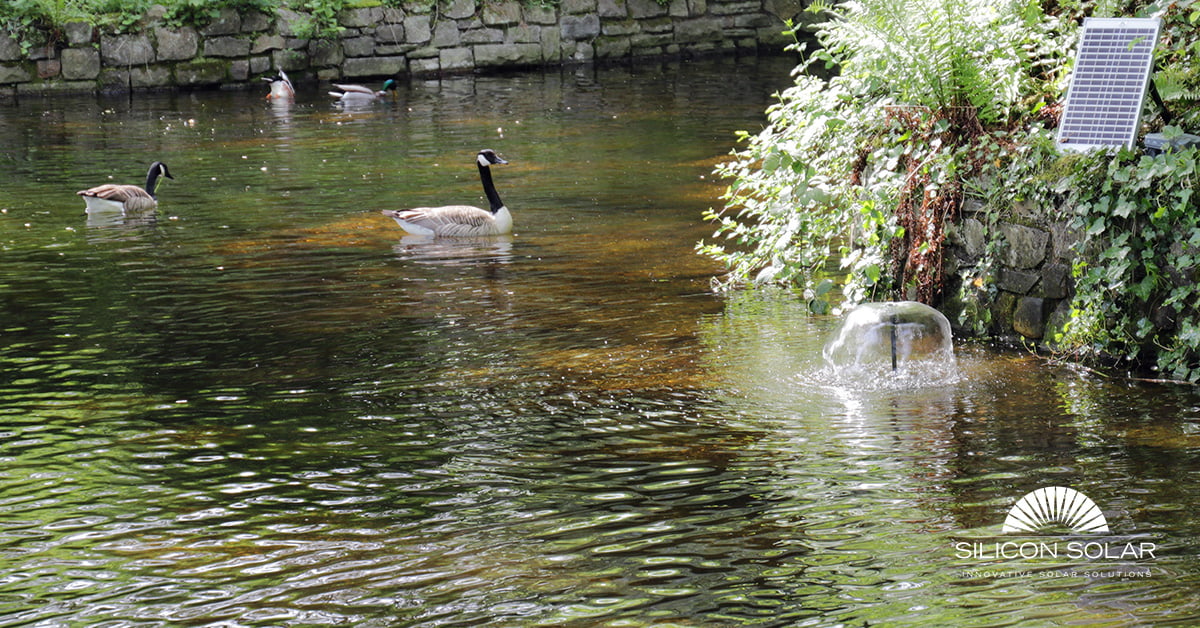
(264, 406)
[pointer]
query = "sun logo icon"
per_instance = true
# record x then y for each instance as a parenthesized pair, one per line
(1055, 505)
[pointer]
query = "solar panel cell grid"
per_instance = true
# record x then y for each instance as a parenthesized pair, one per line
(1108, 87)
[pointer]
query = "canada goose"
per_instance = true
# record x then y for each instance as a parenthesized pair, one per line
(127, 198)
(281, 87)
(358, 93)
(461, 220)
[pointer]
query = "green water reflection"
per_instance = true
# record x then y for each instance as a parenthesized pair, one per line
(267, 407)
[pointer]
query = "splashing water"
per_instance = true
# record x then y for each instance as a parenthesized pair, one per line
(890, 345)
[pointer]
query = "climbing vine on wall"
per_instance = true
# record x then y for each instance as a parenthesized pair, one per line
(1137, 293)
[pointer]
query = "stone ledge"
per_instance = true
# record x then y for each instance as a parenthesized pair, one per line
(235, 50)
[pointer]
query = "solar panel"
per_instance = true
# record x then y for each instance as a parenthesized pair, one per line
(1108, 86)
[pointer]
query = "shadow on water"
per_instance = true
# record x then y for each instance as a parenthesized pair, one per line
(268, 406)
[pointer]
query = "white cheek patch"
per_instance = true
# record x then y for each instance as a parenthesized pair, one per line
(483, 161)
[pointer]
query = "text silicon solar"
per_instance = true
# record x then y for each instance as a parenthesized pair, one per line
(1108, 86)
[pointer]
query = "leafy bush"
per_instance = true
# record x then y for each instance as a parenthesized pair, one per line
(866, 168)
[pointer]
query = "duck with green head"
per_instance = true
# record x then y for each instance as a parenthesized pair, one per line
(359, 93)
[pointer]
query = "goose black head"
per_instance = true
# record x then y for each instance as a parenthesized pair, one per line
(157, 169)
(161, 168)
(488, 157)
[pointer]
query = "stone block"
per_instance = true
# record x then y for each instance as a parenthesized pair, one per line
(375, 66)
(260, 65)
(266, 42)
(578, 51)
(228, 22)
(392, 15)
(10, 48)
(698, 7)
(1056, 281)
(707, 29)
(49, 68)
(657, 25)
(131, 49)
(501, 13)
(447, 35)
(612, 47)
(149, 76)
(483, 36)
(239, 70)
(324, 53)
(79, 33)
(13, 73)
(288, 21)
(642, 9)
(612, 9)
(418, 7)
(1029, 318)
(389, 34)
(417, 29)
(551, 42)
(678, 9)
(650, 40)
(523, 34)
(490, 55)
(1056, 322)
(784, 9)
(227, 47)
(358, 18)
(358, 46)
(753, 21)
(176, 45)
(38, 53)
(456, 59)
(1016, 281)
(202, 72)
(736, 7)
(80, 63)
(392, 50)
(424, 67)
(1002, 313)
(289, 60)
(255, 22)
(459, 10)
(584, 27)
(539, 15)
(577, 7)
(1026, 246)
(112, 79)
(617, 28)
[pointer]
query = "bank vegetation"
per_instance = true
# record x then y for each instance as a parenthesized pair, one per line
(912, 108)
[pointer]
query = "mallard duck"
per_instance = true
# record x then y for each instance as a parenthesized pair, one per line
(358, 93)
(461, 220)
(127, 198)
(281, 87)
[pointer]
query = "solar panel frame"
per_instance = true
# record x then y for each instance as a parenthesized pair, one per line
(1108, 86)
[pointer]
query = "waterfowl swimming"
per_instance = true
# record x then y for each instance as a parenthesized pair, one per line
(281, 87)
(126, 198)
(358, 93)
(461, 220)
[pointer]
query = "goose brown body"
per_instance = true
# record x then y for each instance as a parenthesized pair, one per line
(461, 220)
(126, 198)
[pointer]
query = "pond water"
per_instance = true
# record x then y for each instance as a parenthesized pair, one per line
(265, 406)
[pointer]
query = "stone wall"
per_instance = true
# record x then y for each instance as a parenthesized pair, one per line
(1023, 262)
(415, 40)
